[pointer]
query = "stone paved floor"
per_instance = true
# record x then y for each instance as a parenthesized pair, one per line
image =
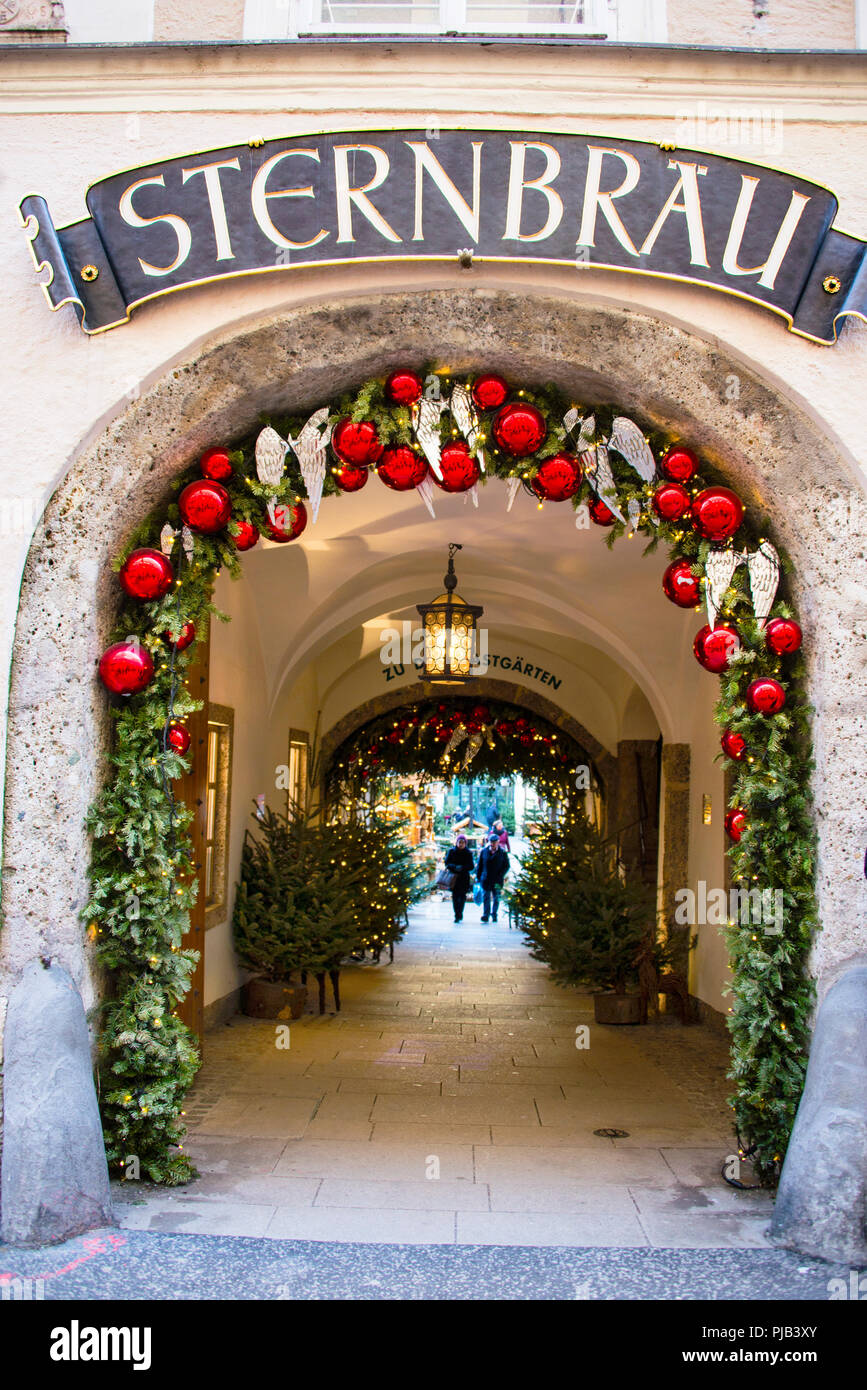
(447, 1103)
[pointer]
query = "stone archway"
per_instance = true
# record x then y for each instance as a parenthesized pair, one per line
(773, 453)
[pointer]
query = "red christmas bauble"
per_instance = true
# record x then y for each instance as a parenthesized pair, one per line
(678, 465)
(288, 522)
(459, 468)
(186, 638)
(601, 514)
(205, 506)
(178, 738)
(146, 574)
(215, 465)
(733, 745)
(401, 468)
(526, 739)
(126, 668)
(349, 478)
(247, 537)
(558, 478)
(520, 429)
(680, 584)
(766, 696)
(715, 647)
(735, 823)
(356, 442)
(490, 392)
(504, 728)
(481, 713)
(717, 513)
(783, 635)
(671, 501)
(522, 723)
(403, 387)
(443, 734)
(393, 737)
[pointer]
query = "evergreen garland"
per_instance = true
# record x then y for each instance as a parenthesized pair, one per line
(143, 887)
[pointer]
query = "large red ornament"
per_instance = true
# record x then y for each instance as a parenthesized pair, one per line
(215, 465)
(783, 635)
(146, 574)
(288, 522)
(401, 468)
(678, 465)
(766, 696)
(205, 506)
(520, 429)
(680, 584)
(356, 442)
(349, 478)
(671, 501)
(735, 823)
(717, 513)
(733, 745)
(459, 468)
(600, 513)
(126, 668)
(715, 647)
(186, 638)
(558, 478)
(404, 387)
(178, 738)
(247, 537)
(489, 392)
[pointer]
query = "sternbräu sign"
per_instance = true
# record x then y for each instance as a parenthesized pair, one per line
(336, 198)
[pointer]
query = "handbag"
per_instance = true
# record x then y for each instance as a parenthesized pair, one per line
(478, 894)
(445, 879)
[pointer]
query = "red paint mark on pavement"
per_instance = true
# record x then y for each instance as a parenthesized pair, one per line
(91, 1245)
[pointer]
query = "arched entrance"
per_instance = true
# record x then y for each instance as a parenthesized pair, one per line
(70, 568)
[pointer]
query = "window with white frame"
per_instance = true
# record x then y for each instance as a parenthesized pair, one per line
(274, 19)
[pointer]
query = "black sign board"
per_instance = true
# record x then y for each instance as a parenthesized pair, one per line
(489, 195)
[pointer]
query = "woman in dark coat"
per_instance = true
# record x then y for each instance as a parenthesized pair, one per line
(459, 861)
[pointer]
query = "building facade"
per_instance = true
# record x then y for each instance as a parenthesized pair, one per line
(100, 422)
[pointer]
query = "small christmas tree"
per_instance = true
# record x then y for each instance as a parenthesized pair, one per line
(589, 925)
(296, 905)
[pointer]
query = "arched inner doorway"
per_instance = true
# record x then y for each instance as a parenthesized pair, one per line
(95, 710)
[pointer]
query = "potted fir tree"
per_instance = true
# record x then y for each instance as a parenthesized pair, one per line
(592, 927)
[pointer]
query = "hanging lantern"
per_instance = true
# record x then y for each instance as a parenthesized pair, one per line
(449, 633)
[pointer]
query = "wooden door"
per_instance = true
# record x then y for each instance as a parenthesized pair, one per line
(191, 789)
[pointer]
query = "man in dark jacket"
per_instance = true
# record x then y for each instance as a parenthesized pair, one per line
(491, 871)
(459, 861)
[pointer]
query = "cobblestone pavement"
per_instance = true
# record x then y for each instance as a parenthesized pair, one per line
(448, 1104)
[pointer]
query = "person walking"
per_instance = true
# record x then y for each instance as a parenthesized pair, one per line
(491, 871)
(459, 861)
(503, 835)
(492, 814)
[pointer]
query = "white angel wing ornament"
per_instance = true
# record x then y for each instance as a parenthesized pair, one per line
(630, 443)
(426, 423)
(271, 453)
(310, 450)
(764, 571)
(601, 479)
(467, 421)
(718, 571)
